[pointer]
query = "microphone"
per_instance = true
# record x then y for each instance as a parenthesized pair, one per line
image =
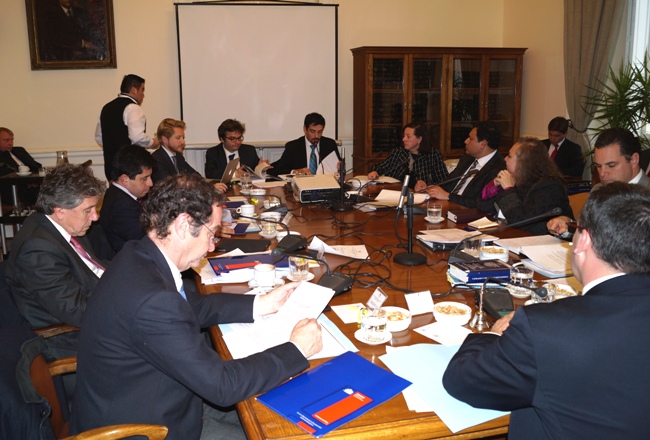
(290, 242)
(455, 257)
(542, 292)
(453, 179)
(337, 281)
(405, 191)
(280, 207)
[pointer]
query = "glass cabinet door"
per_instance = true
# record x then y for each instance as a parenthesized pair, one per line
(387, 103)
(502, 97)
(466, 100)
(426, 98)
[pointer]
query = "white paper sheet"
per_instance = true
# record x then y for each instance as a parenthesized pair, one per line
(329, 165)
(451, 236)
(307, 301)
(353, 251)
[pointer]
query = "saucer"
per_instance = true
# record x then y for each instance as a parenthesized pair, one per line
(276, 283)
(359, 337)
(257, 192)
(24, 174)
(517, 294)
(434, 219)
(268, 236)
(309, 277)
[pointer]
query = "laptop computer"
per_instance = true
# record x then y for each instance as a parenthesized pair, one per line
(228, 173)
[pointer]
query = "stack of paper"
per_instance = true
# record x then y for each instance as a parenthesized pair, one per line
(483, 223)
(390, 198)
(450, 236)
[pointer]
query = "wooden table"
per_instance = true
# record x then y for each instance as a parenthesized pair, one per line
(392, 419)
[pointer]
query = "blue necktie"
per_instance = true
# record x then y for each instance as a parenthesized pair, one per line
(313, 162)
(231, 157)
(182, 292)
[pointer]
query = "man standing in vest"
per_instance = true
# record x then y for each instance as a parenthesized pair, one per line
(123, 122)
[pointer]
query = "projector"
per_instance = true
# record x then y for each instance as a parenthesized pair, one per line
(311, 189)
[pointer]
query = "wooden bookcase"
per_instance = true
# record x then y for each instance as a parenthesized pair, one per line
(447, 88)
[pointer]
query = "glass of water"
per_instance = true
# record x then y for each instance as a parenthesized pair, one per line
(373, 324)
(434, 210)
(298, 268)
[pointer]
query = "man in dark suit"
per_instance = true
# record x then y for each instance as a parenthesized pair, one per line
(10, 159)
(169, 158)
(122, 205)
(304, 155)
(231, 133)
(50, 279)
(483, 159)
(141, 341)
(567, 155)
(573, 368)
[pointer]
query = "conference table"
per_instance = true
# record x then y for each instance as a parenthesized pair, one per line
(377, 230)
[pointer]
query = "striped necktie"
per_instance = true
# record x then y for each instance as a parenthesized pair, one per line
(80, 249)
(175, 162)
(461, 184)
(313, 162)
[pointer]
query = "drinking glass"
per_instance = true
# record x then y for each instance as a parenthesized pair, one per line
(298, 268)
(61, 157)
(373, 324)
(434, 210)
(245, 181)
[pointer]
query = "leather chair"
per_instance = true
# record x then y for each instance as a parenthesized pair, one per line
(35, 377)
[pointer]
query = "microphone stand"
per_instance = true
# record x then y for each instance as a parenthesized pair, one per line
(409, 258)
(342, 205)
(479, 321)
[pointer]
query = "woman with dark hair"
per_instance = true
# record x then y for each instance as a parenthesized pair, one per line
(531, 185)
(418, 158)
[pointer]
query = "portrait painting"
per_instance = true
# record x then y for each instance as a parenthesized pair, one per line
(71, 34)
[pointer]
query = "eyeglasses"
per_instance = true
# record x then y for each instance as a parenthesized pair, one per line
(572, 226)
(234, 139)
(214, 238)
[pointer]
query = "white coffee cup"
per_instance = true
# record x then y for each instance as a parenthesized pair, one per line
(23, 169)
(246, 210)
(265, 275)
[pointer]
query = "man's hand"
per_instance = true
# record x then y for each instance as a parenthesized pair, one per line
(225, 231)
(502, 324)
(272, 301)
(221, 187)
(437, 193)
(558, 225)
(307, 336)
(373, 175)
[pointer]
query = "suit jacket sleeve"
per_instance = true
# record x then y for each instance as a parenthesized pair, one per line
(165, 335)
(123, 219)
(496, 372)
(44, 271)
(215, 162)
(26, 158)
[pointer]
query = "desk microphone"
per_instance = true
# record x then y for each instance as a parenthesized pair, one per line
(336, 281)
(280, 207)
(290, 242)
(454, 256)
(542, 292)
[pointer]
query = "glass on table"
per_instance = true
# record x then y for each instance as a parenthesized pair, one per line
(434, 210)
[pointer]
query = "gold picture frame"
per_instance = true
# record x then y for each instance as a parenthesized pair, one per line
(71, 34)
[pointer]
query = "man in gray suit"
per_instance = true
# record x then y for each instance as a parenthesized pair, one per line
(616, 157)
(50, 277)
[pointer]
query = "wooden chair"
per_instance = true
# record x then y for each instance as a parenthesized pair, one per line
(577, 201)
(41, 374)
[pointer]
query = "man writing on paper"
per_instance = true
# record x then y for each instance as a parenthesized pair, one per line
(142, 357)
(572, 368)
(616, 157)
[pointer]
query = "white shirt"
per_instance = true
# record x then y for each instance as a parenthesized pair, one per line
(178, 281)
(228, 153)
(134, 119)
(96, 270)
(117, 185)
(636, 179)
(308, 151)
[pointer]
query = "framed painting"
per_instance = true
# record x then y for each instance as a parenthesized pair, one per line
(71, 34)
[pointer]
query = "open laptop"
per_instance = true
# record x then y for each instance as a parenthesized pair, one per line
(228, 173)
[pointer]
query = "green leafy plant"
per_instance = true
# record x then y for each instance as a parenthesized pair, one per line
(624, 101)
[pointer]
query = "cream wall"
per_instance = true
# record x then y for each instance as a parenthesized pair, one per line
(50, 110)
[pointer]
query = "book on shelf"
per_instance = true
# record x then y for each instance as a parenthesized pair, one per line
(333, 393)
(479, 271)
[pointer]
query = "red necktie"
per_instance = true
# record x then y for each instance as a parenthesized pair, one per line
(75, 243)
(554, 153)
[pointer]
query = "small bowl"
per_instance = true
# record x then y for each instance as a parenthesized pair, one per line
(494, 253)
(257, 192)
(452, 313)
(399, 319)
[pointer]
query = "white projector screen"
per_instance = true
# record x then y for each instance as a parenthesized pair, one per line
(265, 65)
